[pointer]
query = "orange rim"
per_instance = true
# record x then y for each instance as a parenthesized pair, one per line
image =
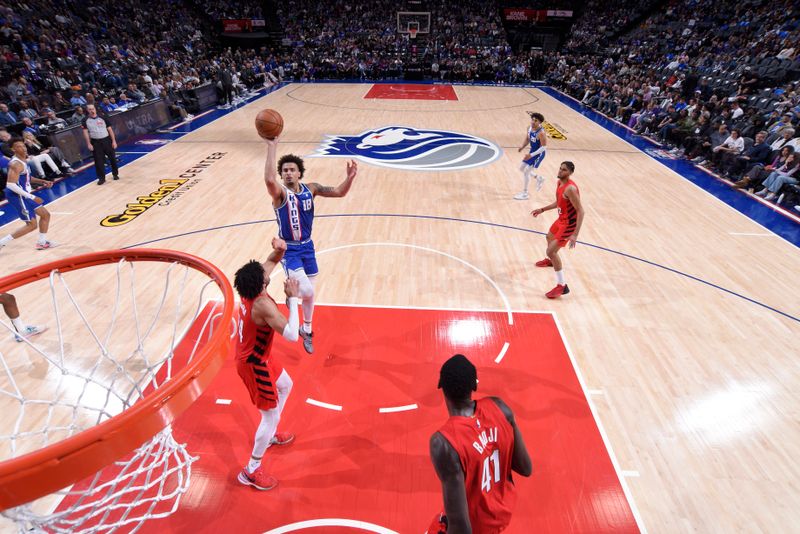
(36, 474)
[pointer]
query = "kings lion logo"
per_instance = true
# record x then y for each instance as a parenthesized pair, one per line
(403, 147)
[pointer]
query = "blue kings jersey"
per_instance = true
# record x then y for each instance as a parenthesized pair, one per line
(533, 137)
(296, 215)
(24, 180)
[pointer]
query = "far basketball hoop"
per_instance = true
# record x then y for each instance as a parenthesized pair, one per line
(413, 22)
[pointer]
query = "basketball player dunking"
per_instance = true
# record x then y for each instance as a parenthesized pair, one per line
(537, 139)
(267, 382)
(474, 453)
(565, 229)
(18, 193)
(294, 208)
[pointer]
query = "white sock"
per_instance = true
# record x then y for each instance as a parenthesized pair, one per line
(306, 324)
(18, 324)
(253, 464)
(526, 179)
(6, 239)
(42, 238)
(266, 430)
(560, 277)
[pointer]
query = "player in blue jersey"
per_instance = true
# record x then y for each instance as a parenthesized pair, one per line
(18, 193)
(293, 202)
(537, 139)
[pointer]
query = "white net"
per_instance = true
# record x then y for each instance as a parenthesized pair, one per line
(110, 344)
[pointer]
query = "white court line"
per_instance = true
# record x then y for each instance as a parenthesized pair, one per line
(752, 234)
(427, 249)
(398, 408)
(131, 152)
(335, 407)
(636, 515)
(224, 401)
(502, 353)
(331, 522)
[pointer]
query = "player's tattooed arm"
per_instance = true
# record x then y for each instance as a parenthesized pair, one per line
(341, 189)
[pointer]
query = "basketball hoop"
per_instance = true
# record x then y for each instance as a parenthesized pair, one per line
(120, 438)
(412, 33)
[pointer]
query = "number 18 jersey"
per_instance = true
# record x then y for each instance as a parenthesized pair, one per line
(296, 215)
(485, 445)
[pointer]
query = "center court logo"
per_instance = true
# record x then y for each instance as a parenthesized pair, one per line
(407, 148)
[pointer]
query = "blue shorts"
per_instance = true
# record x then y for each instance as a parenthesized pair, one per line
(536, 160)
(300, 256)
(26, 208)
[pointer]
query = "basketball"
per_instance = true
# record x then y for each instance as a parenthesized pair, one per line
(269, 123)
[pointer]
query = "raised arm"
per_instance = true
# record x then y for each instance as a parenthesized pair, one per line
(448, 469)
(274, 188)
(572, 195)
(278, 250)
(521, 462)
(341, 189)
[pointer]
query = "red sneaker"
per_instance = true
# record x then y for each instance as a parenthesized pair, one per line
(258, 479)
(282, 438)
(557, 291)
(544, 263)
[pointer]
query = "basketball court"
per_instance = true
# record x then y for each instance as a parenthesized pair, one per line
(651, 397)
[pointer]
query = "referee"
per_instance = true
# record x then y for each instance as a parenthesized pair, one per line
(101, 142)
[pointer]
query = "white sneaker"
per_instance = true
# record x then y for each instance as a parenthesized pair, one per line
(521, 196)
(539, 182)
(46, 245)
(29, 332)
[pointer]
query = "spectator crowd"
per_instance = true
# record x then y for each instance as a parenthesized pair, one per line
(715, 80)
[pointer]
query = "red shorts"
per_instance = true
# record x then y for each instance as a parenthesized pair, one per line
(259, 378)
(562, 231)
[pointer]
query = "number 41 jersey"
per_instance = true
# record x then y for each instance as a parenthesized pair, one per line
(485, 445)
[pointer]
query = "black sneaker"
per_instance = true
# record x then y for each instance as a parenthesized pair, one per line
(101, 181)
(308, 342)
(116, 177)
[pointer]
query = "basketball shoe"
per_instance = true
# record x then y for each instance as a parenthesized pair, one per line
(557, 291)
(282, 438)
(539, 182)
(258, 479)
(544, 263)
(521, 196)
(46, 245)
(30, 331)
(308, 341)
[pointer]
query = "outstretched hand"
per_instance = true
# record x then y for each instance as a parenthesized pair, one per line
(278, 244)
(271, 143)
(537, 212)
(352, 169)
